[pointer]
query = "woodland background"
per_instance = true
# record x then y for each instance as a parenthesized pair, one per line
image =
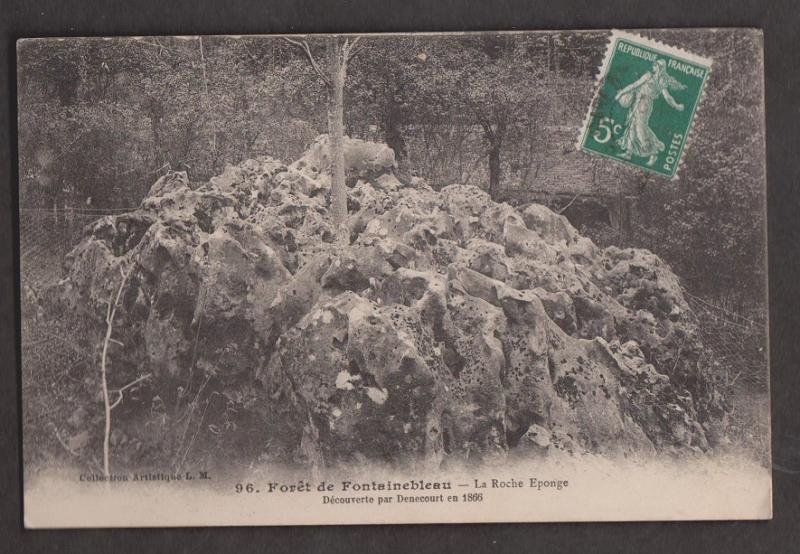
(102, 119)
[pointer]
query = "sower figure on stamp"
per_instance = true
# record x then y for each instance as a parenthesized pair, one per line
(638, 139)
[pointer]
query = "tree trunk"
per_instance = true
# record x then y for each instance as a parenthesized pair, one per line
(494, 170)
(338, 67)
(207, 108)
(494, 134)
(392, 132)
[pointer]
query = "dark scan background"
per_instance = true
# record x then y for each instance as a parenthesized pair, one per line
(778, 19)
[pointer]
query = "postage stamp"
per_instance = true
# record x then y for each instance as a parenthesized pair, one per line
(646, 99)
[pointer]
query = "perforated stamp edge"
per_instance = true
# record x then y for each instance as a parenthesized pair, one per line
(600, 77)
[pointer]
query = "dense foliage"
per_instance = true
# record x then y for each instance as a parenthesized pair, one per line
(101, 119)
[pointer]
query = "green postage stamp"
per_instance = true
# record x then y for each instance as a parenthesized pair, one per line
(645, 102)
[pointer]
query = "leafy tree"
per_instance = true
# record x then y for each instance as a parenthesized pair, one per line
(483, 80)
(709, 223)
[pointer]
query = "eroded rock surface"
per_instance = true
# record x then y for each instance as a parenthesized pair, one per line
(451, 326)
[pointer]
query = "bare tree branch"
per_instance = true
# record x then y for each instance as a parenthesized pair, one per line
(61, 441)
(129, 385)
(303, 45)
(574, 198)
(112, 311)
(353, 51)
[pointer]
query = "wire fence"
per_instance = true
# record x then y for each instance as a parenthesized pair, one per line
(736, 344)
(46, 236)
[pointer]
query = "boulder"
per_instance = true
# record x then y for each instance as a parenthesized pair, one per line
(450, 326)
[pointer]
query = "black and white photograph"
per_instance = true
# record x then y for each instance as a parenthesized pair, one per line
(375, 278)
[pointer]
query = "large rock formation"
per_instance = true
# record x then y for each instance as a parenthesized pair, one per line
(450, 327)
